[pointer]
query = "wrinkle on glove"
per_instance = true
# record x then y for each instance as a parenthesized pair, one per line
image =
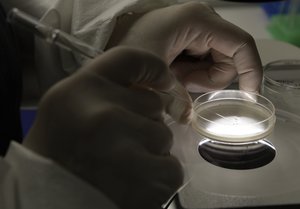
(94, 20)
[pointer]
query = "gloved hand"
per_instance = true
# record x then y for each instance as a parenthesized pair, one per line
(104, 125)
(205, 51)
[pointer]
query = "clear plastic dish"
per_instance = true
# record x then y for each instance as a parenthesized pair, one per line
(233, 116)
(213, 185)
(282, 84)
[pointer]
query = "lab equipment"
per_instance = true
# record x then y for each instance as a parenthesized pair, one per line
(233, 127)
(213, 186)
(70, 43)
(52, 35)
(281, 84)
(179, 96)
(267, 174)
(233, 116)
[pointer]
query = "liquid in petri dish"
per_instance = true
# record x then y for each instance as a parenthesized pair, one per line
(232, 120)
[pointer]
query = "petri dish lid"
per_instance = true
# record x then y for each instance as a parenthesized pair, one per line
(283, 74)
(216, 187)
(233, 116)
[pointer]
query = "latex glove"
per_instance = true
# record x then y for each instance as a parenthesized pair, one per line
(205, 51)
(111, 135)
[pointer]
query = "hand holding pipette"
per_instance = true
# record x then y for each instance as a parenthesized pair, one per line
(179, 102)
(93, 126)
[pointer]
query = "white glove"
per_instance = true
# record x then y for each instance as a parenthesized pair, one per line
(205, 51)
(100, 125)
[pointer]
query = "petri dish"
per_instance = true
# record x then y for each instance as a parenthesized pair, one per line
(233, 116)
(281, 84)
(214, 186)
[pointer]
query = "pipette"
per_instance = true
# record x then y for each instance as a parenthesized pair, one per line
(52, 35)
(55, 36)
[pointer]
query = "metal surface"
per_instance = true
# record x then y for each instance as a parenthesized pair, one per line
(214, 187)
